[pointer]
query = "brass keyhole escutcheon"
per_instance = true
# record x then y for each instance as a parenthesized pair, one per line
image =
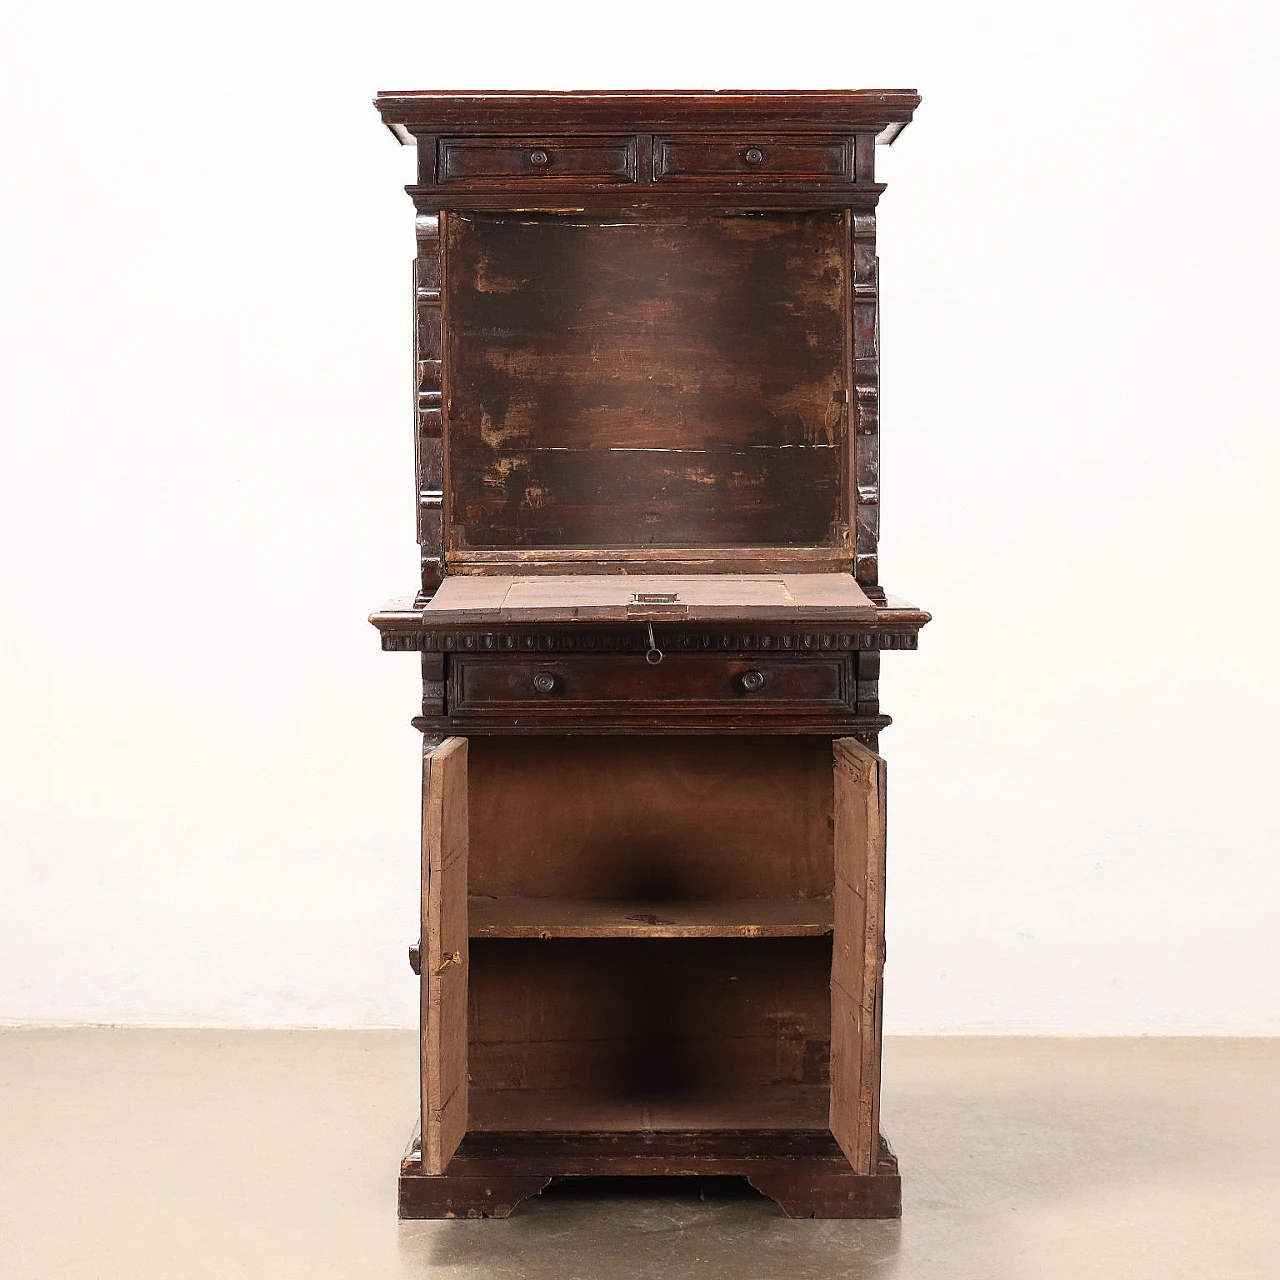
(544, 682)
(753, 681)
(538, 157)
(753, 155)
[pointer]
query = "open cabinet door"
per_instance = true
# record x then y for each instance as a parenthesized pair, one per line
(857, 960)
(444, 952)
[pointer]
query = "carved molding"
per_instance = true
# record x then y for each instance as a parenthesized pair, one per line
(865, 728)
(626, 198)
(635, 641)
(865, 324)
(429, 400)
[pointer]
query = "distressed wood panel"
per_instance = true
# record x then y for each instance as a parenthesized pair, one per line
(649, 1020)
(702, 597)
(444, 931)
(677, 819)
(646, 382)
(857, 961)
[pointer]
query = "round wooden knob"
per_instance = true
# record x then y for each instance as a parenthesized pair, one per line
(753, 681)
(753, 155)
(538, 157)
(544, 682)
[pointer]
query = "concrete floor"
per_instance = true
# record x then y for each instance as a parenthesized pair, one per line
(273, 1154)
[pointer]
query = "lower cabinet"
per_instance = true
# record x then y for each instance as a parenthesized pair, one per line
(652, 935)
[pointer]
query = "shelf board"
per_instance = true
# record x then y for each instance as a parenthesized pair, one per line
(788, 1106)
(591, 918)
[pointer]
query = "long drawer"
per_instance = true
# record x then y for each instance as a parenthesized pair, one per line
(688, 684)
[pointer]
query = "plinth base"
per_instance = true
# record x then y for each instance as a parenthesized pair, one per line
(803, 1170)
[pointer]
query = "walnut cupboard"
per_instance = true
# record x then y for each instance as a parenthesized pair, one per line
(650, 618)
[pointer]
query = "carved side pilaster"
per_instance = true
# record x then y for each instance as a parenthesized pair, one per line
(428, 392)
(869, 682)
(866, 399)
(432, 684)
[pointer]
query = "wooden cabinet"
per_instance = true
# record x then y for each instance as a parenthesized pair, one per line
(653, 951)
(650, 619)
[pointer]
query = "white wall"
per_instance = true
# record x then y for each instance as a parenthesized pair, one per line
(210, 778)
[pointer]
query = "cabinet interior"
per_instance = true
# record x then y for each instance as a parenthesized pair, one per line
(646, 381)
(650, 926)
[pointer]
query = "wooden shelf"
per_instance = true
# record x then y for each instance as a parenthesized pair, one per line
(804, 1106)
(589, 918)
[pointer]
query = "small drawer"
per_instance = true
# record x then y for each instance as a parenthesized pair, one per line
(746, 159)
(537, 159)
(682, 684)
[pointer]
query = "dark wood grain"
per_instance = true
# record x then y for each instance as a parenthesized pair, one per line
(414, 113)
(752, 158)
(679, 818)
(649, 1021)
(607, 685)
(655, 383)
(537, 159)
(803, 1170)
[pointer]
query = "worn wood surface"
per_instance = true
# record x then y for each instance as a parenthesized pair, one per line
(802, 1169)
(766, 158)
(649, 1019)
(677, 819)
(647, 383)
(533, 159)
(599, 561)
(777, 597)
(583, 1110)
(430, 112)
(492, 917)
(858, 951)
(405, 625)
(641, 726)
(444, 930)
(625, 684)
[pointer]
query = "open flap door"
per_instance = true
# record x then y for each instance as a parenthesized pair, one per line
(857, 961)
(444, 952)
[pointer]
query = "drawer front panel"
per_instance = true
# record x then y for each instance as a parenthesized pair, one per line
(680, 684)
(754, 159)
(537, 159)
